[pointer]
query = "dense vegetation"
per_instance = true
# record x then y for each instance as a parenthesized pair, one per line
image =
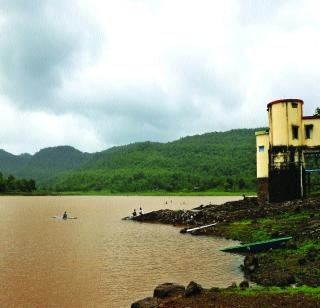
(13, 185)
(213, 161)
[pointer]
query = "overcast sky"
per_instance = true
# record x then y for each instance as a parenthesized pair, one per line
(93, 73)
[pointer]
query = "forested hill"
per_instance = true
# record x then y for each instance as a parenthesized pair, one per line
(219, 160)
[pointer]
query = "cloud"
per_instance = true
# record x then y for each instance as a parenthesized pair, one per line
(29, 131)
(39, 46)
(152, 70)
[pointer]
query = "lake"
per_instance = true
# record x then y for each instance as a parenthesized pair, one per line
(99, 260)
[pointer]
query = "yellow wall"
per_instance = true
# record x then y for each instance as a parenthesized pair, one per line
(315, 136)
(295, 118)
(281, 118)
(278, 124)
(262, 139)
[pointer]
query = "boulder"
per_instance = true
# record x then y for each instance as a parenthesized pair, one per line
(168, 290)
(311, 255)
(250, 263)
(244, 284)
(193, 288)
(290, 279)
(215, 290)
(184, 230)
(232, 286)
(148, 302)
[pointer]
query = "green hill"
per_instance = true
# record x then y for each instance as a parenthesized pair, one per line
(45, 165)
(219, 160)
(10, 163)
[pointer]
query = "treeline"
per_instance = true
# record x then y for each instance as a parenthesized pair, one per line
(214, 161)
(12, 185)
(147, 181)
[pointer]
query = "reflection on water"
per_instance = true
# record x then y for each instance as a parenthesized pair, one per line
(99, 260)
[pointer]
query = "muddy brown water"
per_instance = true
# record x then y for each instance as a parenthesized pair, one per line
(99, 260)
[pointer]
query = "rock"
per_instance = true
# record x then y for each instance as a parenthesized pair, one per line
(148, 302)
(291, 245)
(184, 230)
(275, 234)
(244, 284)
(291, 279)
(215, 289)
(251, 268)
(193, 288)
(311, 255)
(250, 263)
(233, 286)
(168, 289)
(266, 282)
(302, 261)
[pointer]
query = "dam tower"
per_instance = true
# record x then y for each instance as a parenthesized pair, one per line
(283, 150)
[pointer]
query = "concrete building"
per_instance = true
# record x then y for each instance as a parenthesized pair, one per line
(291, 143)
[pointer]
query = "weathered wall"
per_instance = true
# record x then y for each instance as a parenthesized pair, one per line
(285, 183)
(263, 190)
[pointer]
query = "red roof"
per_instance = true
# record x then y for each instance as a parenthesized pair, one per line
(292, 100)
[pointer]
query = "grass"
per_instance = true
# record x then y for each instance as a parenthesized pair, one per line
(313, 292)
(308, 246)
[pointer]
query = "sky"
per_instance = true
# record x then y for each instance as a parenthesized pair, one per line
(95, 74)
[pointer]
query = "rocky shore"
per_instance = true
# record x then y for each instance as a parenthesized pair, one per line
(296, 264)
(173, 295)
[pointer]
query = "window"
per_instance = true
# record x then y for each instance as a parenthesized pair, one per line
(308, 131)
(294, 105)
(295, 132)
(261, 148)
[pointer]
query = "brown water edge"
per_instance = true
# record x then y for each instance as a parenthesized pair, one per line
(99, 260)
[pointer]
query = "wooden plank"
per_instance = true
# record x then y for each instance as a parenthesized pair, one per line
(202, 227)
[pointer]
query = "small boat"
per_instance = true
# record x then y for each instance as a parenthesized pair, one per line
(258, 246)
(61, 217)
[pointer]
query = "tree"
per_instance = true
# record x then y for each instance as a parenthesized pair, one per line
(2, 183)
(11, 182)
(317, 111)
(241, 183)
(229, 185)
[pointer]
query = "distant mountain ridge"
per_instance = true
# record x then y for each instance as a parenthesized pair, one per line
(204, 161)
(10, 162)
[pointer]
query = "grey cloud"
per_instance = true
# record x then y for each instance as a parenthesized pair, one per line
(38, 45)
(147, 112)
(43, 42)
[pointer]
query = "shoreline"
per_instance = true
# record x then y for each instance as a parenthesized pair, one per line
(149, 194)
(292, 268)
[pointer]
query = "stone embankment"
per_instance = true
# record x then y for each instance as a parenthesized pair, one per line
(233, 211)
(173, 295)
(296, 264)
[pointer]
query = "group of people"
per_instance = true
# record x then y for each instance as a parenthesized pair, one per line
(135, 212)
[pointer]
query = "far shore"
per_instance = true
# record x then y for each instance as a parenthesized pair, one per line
(146, 193)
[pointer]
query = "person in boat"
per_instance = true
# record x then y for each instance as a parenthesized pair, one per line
(134, 212)
(140, 211)
(65, 215)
